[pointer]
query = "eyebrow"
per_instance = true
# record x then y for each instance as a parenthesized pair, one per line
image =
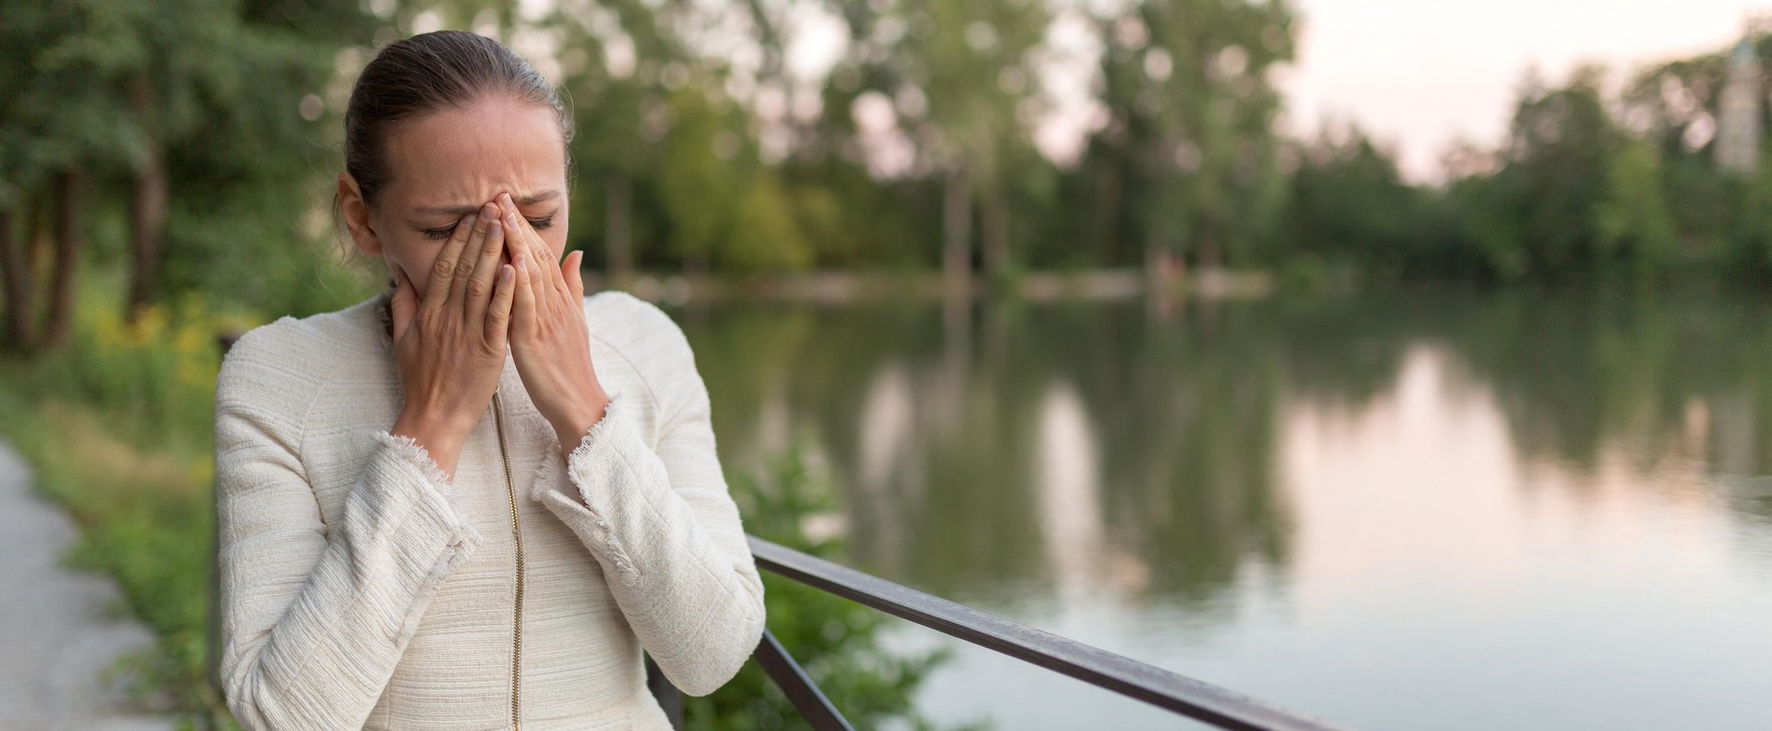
(463, 210)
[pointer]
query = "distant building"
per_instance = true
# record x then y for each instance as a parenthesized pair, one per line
(1738, 115)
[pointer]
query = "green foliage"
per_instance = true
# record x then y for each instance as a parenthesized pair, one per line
(117, 428)
(1347, 203)
(710, 153)
(1634, 225)
(204, 95)
(834, 638)
(1752, 226)
(1575, 192)
(1190, 140)
(765, 235)
(1557, 158)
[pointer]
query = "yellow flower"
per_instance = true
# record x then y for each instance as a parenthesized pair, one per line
(189, 341)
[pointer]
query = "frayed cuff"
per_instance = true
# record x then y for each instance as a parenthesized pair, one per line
(415, 454)
(596, 453)
(549, 473)
(615, 416)
(546, 477)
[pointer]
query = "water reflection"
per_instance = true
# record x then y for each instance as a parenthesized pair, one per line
(1521, 511)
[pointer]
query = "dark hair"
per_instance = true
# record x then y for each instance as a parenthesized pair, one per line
(425, 73)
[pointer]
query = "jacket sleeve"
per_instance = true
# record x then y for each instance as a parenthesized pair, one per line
(316, 616)
(664, 527)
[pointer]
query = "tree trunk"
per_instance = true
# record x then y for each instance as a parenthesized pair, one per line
(147, 209)
(1210, 256)
(12, 284)
(24, 270)
(1153, 260)
(695, 266)
(1104, 221)
(618, 230)
(956, 224)
(67, 259)
(995, 222)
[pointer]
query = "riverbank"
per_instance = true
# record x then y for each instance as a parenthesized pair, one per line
(853, 286)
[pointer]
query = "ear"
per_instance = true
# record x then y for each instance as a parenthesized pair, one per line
(356, 215)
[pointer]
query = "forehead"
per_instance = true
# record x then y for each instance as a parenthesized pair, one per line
(468, 154)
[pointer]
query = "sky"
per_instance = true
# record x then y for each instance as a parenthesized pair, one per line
(1421, 74)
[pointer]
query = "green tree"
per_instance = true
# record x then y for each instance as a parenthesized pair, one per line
(190, 121)
(1635, 227)
(1348, 205)
(1553, 180)
(957, 75)
(1190, 131)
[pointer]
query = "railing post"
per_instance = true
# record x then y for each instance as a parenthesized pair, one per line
(668, 696)
(812, 703)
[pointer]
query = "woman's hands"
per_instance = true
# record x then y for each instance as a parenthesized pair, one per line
(450, 346)
(548, 336)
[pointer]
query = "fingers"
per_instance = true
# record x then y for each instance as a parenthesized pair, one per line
(575, 274)
(538, 249)
(534, 250)
(486, 264)
(498, 315)
(404, 301)
(523, 314)
(443, 270)
(464, 266)
(530, 243)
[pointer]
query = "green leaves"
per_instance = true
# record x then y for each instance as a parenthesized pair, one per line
(835, 639)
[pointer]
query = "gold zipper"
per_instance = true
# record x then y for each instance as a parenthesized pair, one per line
(516, 533)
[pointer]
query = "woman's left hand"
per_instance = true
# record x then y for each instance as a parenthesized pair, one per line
(548, 336)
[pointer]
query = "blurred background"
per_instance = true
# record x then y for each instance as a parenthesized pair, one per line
(1400, 363)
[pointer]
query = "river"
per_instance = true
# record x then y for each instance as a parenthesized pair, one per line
(1431, 510)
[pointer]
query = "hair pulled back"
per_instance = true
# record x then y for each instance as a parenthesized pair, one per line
(430, 72)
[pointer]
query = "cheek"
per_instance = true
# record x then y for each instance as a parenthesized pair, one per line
(554, 242)
(416, 261)
(557, 244)
(556, 234)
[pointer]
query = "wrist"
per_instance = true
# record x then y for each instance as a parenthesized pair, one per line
(571, 430)
(440, 439)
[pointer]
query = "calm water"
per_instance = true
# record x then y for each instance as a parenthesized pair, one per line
(1411, 512)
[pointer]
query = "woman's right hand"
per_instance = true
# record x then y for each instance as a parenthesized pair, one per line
(450, 345)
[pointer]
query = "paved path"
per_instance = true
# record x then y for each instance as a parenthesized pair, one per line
(54, 637)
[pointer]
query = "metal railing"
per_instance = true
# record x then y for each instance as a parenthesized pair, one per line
(1170, 691)
(1167, 690)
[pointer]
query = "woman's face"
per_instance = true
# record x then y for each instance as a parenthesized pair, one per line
(447, 164)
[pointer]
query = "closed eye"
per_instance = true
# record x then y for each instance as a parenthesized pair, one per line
(444, 232)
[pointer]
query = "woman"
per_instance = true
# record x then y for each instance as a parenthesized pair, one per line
(470, 501)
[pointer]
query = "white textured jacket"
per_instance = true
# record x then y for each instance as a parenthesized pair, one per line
(361, 589)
